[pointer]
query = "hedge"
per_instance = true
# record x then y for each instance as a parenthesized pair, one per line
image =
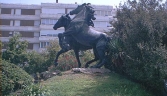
(13, 78)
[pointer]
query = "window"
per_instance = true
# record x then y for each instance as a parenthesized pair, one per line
(30, 46)
(11, 34)
(47, 43)
(43, 35)
(106, 13)
(48, 21)
(97, 24)
(26, 22)
(109, 13)
(27, 34)
(5, 33)
(5, 11)
(97, 12)
(44, 44)
(4, 45)
(102, 13)
(50, 35)
(27, 11)
(4, 22)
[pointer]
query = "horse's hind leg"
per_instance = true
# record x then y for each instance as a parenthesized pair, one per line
(101, 54)
(91, 61)
(58, 54)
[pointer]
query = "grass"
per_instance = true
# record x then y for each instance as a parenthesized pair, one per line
(93, 85)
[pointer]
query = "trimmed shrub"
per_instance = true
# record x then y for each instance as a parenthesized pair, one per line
(13, 78)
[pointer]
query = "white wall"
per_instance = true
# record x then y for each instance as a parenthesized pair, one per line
(100, 24)
(36, 47)
(17, 23)
(12, 11)
(37, 12)
(18, 11)
(36, 34)
(11, 22)
(53, 11)
(37, 23)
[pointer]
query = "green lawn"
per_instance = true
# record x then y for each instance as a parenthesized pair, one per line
(93, 85)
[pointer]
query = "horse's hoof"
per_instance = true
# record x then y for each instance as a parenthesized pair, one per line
(86, 66)
(94, 66)
(56, 64)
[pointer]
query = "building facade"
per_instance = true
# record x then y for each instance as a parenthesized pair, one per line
(35, 22)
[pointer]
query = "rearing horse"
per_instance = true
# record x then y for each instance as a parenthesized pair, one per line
(85, 35)
(64, 21)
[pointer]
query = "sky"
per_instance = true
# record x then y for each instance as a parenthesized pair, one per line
(113, 3)
(94, 2)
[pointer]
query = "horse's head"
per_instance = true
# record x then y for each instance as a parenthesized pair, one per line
(81, 7)
(63, 21)
(91, 16)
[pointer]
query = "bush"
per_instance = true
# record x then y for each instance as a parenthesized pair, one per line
(140, 26)
(35, 90)
(0, 68)
(36, 63)
(68, 60)
(13, 78)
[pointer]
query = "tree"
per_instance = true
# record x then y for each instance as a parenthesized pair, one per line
(140, 26)
(16, 52)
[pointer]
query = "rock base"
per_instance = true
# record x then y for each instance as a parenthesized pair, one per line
(90, 70)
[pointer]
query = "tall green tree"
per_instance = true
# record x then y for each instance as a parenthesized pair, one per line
(16, 51)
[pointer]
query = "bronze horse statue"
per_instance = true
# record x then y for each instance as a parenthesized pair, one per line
(67, 42)
(82, 33)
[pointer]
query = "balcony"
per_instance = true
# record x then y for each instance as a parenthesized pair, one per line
(46, 38)
(30, 40)
(20, 17)
(20, 6)
(51, 16)
(19, 28)
(50, 27)
(101, 18)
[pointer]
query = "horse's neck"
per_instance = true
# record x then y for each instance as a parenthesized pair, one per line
(66, 25)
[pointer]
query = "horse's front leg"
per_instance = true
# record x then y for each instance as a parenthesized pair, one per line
(58, 54)
(76, 51)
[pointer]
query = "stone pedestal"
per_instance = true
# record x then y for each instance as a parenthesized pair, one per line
(90, 70)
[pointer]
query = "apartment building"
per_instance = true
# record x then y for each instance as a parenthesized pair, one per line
(23, 19)
(35, 22)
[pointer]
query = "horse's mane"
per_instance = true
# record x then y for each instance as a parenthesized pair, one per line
(81, 15)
